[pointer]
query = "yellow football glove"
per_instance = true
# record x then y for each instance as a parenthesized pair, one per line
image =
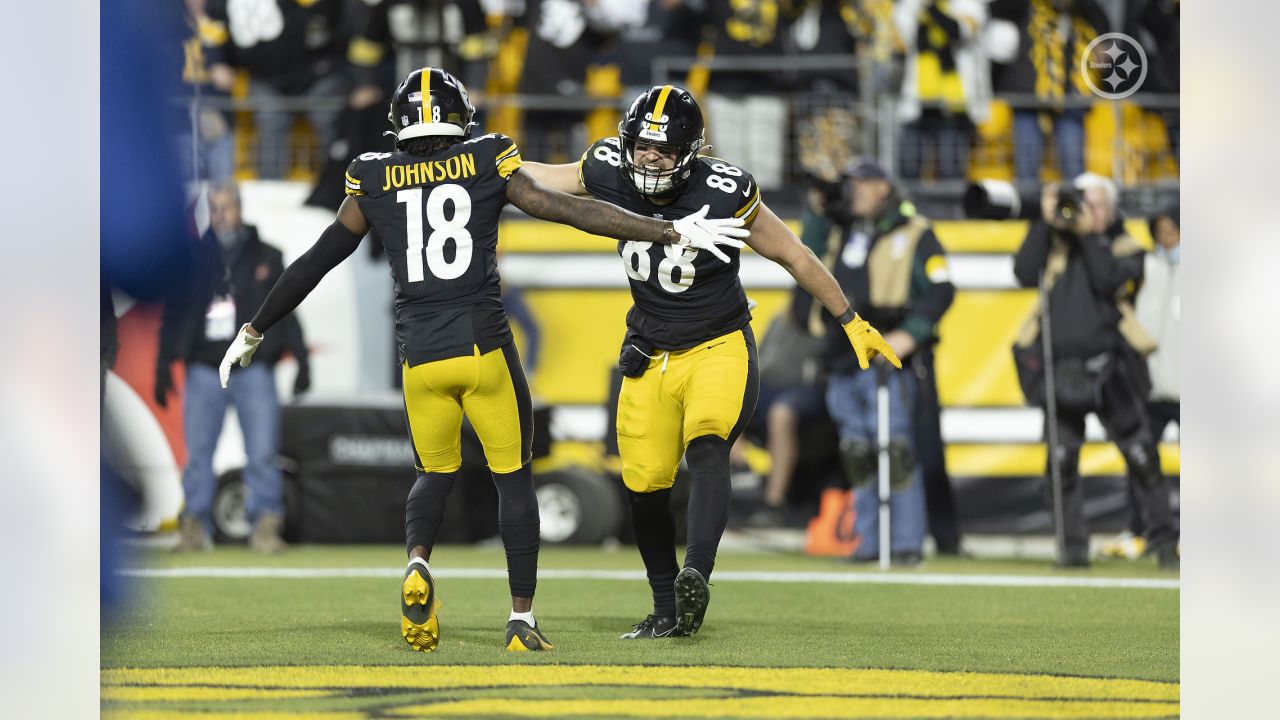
(867, 343)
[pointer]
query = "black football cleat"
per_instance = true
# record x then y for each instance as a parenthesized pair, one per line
(419, 623)
(692, 598)
(522, 637)
(653, 627)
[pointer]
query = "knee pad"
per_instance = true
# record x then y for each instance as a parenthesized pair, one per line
(645, 500)
(859, 460)
(708, 452)
(1068, 462)
(517, 501)
(902, 465)
(1142, 461)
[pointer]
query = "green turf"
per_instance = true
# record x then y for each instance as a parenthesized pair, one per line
(231, 622)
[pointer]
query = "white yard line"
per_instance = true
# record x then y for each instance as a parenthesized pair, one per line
(834, 578)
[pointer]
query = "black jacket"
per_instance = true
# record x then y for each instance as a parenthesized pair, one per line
(254, 269)
(1082, 303)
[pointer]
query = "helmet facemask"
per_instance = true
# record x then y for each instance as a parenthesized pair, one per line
(652, 181)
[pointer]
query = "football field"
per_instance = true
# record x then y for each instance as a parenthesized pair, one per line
(315, 633)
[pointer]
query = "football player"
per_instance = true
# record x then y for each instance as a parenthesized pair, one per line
(688, 358)
(434, 205)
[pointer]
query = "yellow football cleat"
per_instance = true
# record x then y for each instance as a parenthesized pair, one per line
(419, 623)
(1126, 545)
(521, 637)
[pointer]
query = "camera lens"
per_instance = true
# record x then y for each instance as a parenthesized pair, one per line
(1068, 202)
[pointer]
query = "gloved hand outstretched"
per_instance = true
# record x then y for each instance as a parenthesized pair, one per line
(867, 343)
(241, 351)
(699, 232)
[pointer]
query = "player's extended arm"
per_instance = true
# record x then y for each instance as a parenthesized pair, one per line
(774, 240)
(566, 177)
(335, 244)
(602, 218)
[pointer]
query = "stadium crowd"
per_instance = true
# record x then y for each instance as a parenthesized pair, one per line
(964, 89)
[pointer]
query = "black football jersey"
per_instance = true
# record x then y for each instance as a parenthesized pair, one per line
(437, 219)
(682, 296)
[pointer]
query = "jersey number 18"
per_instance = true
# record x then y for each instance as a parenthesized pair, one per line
(442, 231)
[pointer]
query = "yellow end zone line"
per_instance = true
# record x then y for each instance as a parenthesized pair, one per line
(760, 692)
(795, 681)
(836, 578)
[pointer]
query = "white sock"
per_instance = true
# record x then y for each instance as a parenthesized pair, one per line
(420, 560)
(527, 617)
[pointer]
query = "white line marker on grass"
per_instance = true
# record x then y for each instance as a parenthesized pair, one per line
(831, 578)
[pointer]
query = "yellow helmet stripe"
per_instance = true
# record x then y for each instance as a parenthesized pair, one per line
(426, 94)
(659, 107)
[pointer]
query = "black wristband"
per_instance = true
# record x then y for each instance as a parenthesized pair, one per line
(847, 316)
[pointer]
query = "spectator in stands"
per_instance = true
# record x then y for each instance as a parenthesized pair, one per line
(207, 148)
(894, 270)
(235, 270)
(673, 28)
(1054, 33)
(1155, 24)
(826, 27)
(745, 120)
(1092, 268)
(566, 38)
(290, 49)
(946, 83)
(1159, 311)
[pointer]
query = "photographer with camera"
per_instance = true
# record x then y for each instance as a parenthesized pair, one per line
(1089, 270)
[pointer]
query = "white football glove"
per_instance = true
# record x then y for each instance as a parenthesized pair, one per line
(696, 231)
(241, 351)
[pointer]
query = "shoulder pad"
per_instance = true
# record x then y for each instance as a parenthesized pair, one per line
(738, 191)
(601, 163)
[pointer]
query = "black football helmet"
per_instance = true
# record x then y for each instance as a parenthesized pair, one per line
(431, 102)
(668, 117)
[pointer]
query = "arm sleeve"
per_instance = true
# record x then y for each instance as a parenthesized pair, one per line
(290, 325)
(931, 279)
(1108, 273)
(336, 243)
(1033, 254)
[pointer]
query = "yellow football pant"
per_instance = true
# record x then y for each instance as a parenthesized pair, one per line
(492, 391)
(710, 389)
